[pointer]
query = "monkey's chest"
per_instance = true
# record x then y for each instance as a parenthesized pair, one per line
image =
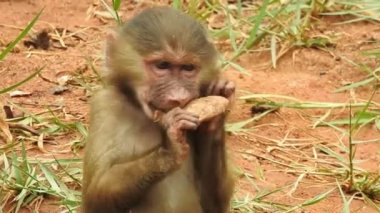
(176, 193)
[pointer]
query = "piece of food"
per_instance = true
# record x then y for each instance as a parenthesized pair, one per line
(205, 107)
(208, 107)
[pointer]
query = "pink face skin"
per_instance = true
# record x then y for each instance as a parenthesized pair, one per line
(172, 82)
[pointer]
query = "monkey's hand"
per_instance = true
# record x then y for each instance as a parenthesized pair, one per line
(176, 122)
(223, 88)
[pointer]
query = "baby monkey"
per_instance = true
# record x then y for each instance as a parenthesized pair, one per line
(158, 61)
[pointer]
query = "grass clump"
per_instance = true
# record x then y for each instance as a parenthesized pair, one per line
(33, 170)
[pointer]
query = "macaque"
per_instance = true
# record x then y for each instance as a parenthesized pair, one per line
(158, 61)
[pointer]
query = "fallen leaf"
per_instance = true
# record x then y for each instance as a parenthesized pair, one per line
(40, 143)
(5, 129)
(19, 93)
(57, 90)
(62, 81)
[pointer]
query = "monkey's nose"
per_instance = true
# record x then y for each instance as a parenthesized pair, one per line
(178, 97)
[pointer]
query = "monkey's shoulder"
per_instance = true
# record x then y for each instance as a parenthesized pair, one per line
(118, 127)
(107, 98)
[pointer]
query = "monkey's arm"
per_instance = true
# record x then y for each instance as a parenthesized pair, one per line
(216, 183)
(122, 162)
(118, 168)
(123, 185)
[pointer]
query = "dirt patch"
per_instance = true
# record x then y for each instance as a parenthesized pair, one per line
(273, 152)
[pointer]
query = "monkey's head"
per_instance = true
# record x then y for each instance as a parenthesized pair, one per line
(164, 56)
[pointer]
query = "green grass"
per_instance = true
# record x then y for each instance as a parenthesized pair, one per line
(23, 33)
(270, 27)
(25, 180)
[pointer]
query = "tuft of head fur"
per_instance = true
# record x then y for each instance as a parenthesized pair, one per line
(156, 30)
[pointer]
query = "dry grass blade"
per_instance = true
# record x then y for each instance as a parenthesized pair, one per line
(7, 89)
(286, 147)
(5, 129)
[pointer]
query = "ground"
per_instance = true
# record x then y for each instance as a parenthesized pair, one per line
(281, 151)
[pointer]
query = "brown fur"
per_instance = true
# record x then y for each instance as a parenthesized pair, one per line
(133, 164)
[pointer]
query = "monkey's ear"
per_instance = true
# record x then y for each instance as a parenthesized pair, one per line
(112, 36)
(110, 44)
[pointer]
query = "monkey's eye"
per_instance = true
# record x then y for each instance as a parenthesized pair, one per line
(188, 67)
(163, 65)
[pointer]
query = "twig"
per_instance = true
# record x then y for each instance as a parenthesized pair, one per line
(11, 26)
(47, 80)
(23, 127)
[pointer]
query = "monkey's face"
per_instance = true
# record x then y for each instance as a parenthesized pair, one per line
(171, 83)
(164, 56)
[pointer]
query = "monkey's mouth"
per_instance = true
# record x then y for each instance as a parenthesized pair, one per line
(164, 106)
(157, 112)
(155, 107)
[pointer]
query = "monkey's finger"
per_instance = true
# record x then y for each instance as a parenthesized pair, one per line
(173, 114)
(219, 88)
(215, 124)
(210, 88)
(183, 114)
(174, 111)
(188, 117)
(229, 89)
(178, 112)
(187, 125)
(170, 117)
